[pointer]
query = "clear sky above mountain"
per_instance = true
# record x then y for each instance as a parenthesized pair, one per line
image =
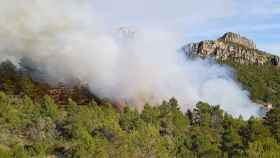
(199, 19)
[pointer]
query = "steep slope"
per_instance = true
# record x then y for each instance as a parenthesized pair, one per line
(258, 71)
(233, 47)
(18, 82)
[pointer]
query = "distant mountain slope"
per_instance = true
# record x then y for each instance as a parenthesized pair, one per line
(258, 71)
(233, 47)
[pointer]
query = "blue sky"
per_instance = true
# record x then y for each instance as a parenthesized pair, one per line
(200, 19)
(263, 29)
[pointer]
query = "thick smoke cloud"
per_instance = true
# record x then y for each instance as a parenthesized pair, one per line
(66, 40)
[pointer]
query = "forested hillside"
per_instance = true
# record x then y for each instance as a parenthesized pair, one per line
(263, 82)
(258, 71)
(33, 124)
(99, 130)
(19, 82)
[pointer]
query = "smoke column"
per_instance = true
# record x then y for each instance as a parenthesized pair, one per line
(66, 40)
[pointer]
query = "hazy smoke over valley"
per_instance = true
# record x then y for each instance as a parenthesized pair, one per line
(66, 39)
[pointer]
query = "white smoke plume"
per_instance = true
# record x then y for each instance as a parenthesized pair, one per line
(66, 40)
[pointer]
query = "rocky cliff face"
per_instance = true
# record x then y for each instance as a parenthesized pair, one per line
(236, 38)
(231, 46)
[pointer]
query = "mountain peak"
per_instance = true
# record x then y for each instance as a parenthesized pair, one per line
(234, 47)
(238, 39)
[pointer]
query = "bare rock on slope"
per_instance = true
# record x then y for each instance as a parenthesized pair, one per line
(231, 46)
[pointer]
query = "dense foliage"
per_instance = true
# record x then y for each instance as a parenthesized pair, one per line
(29, 129)
(263, 82)
(33, 124)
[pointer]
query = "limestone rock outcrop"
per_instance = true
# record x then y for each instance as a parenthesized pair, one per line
(234, 47)
(238, 39)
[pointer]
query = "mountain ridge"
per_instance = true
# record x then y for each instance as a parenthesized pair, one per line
(234, 47)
